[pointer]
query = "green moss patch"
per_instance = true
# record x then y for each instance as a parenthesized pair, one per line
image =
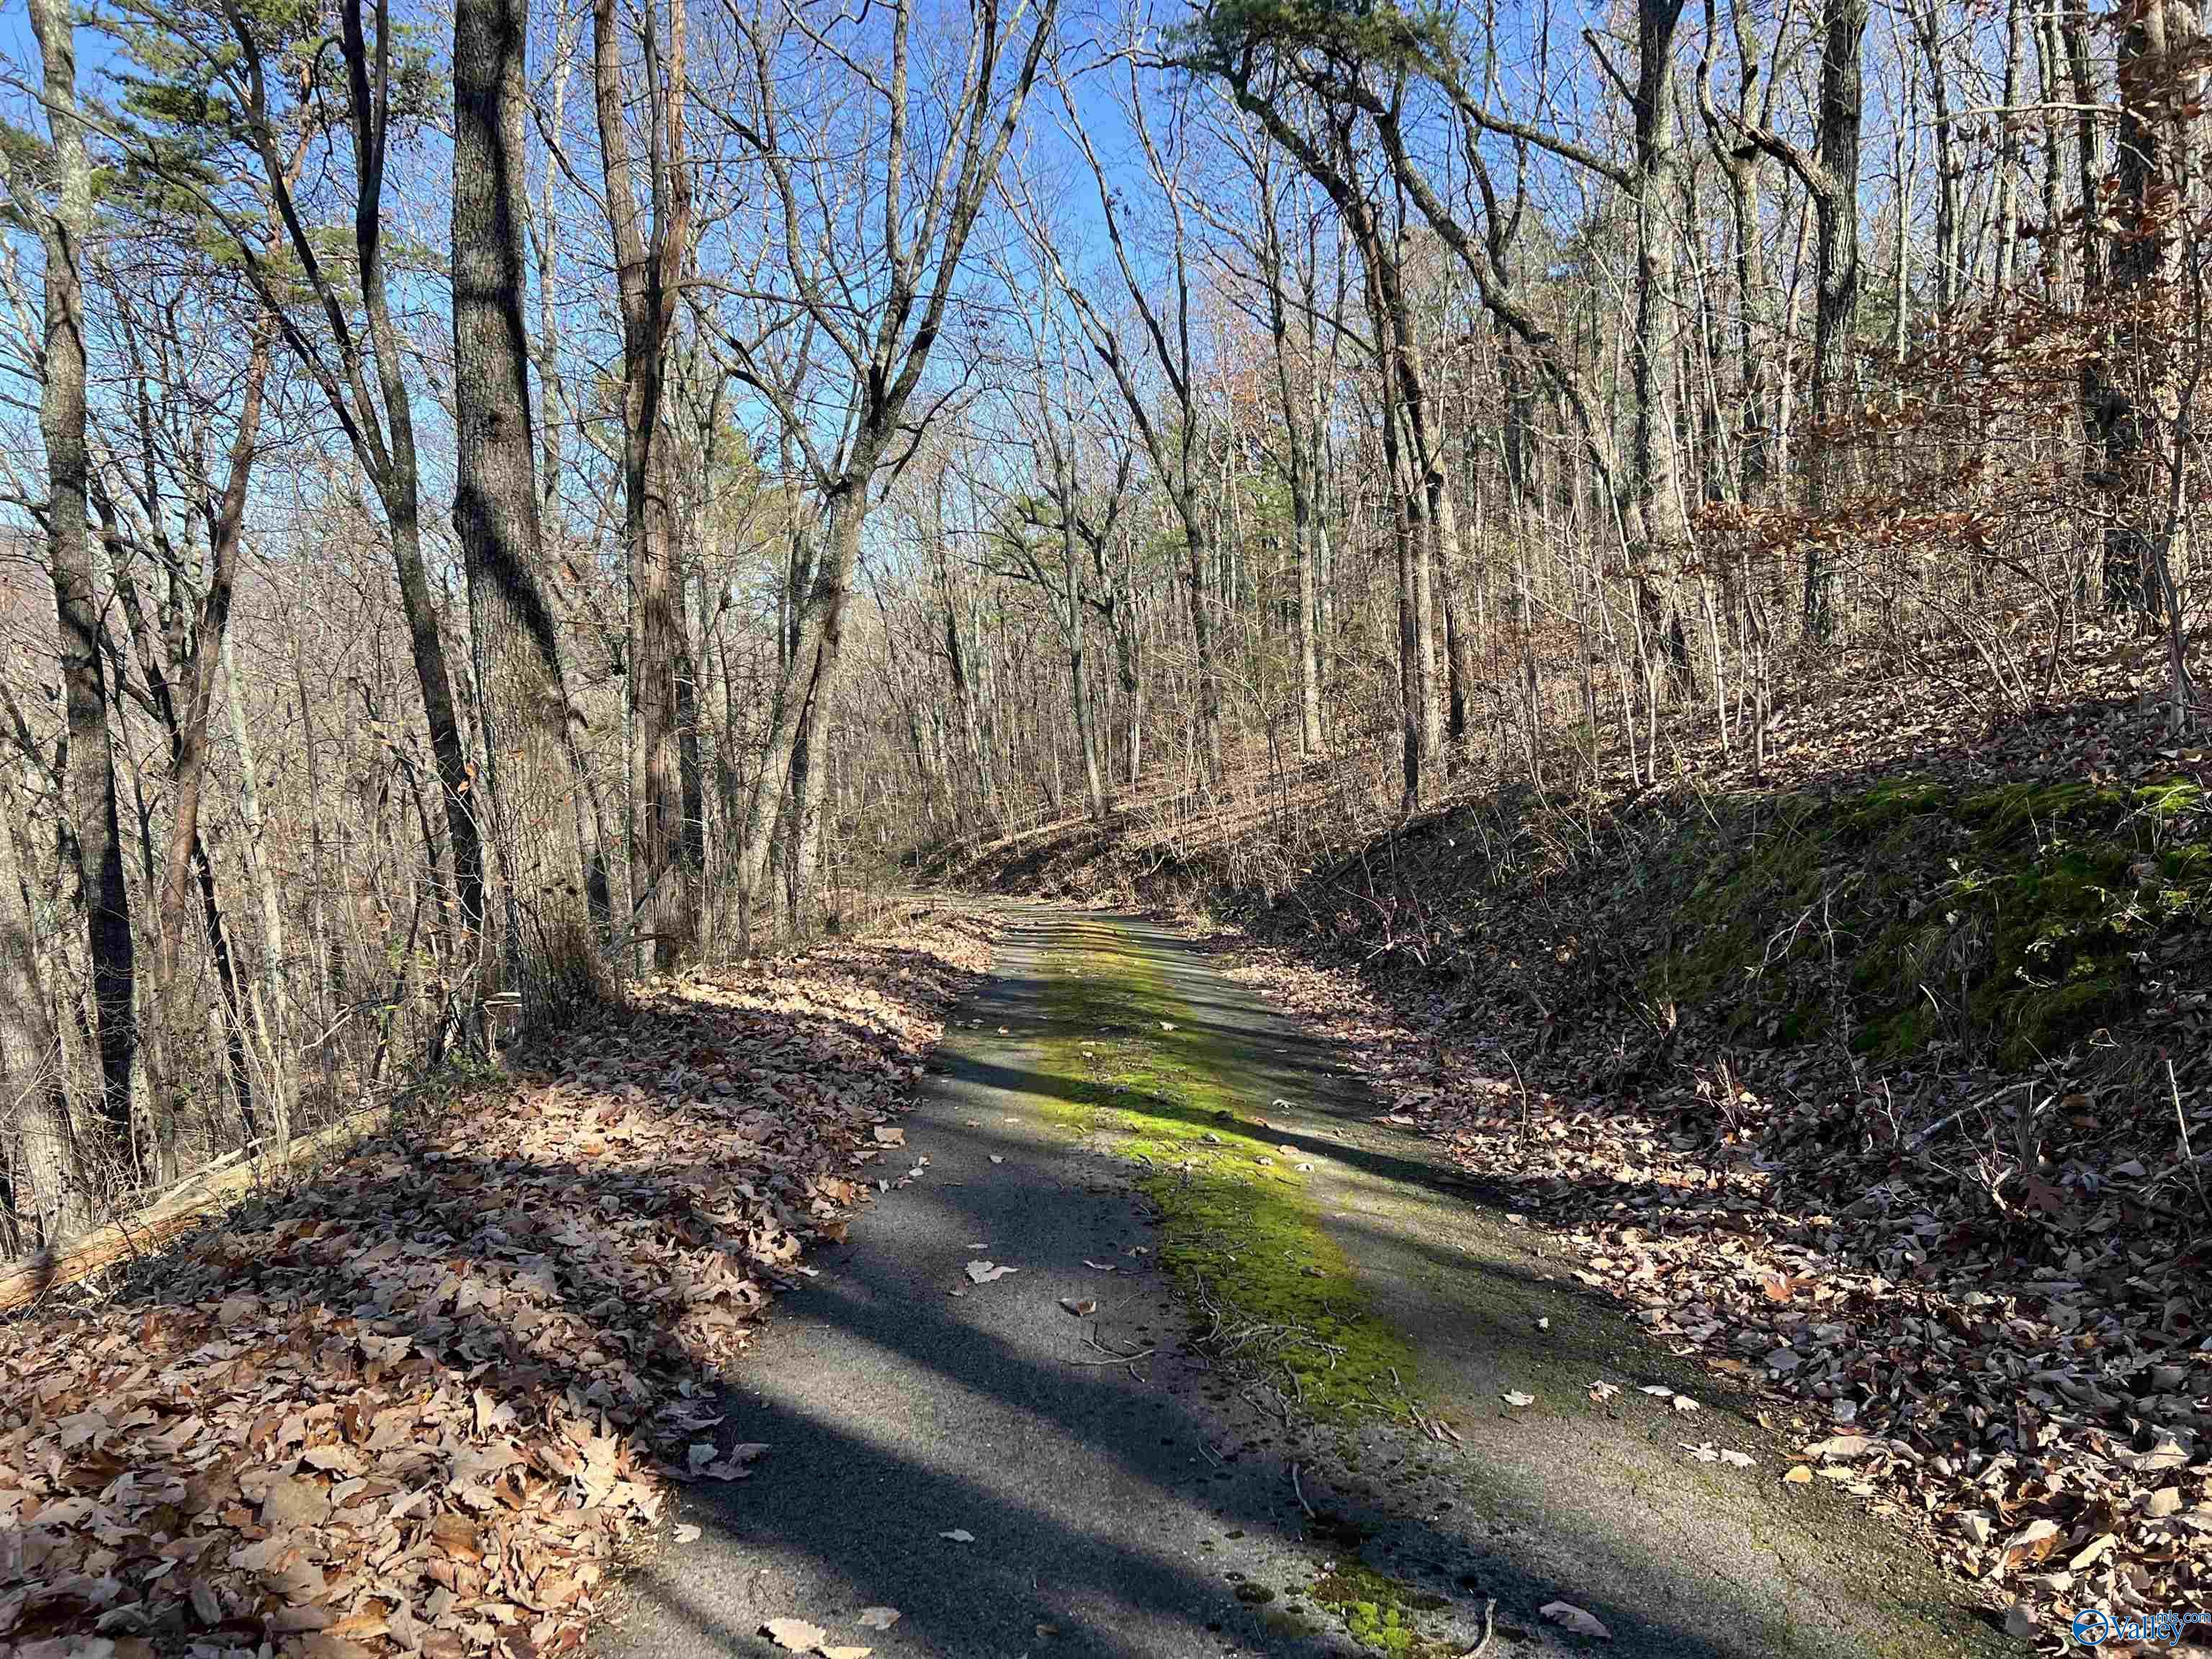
(1239, 1228)
(2015, 921)
(1379, 1613)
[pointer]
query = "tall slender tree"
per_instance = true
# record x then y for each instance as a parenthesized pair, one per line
(551, 874)
(92, 850)
(649, 266)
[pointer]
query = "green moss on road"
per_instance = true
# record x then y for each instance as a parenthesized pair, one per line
(1240, 1230)
(1379, 1613)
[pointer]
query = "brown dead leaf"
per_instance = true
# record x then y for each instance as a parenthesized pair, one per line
(1569, 1617)
(795, 1635)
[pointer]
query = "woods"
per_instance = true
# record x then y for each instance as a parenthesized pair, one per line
(504, 507)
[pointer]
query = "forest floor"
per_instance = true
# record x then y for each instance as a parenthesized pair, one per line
(426, 1399)
(1168, 1348)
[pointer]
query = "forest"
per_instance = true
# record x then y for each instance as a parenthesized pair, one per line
(901, 427)
(1641, 535)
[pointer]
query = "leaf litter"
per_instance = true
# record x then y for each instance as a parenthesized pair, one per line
(417, 1405)
(2052, 1362)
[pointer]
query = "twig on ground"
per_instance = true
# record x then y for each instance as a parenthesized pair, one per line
(2188, 1156)
(1280, 1409)
(1489, 1629)
(1301, 1493)
(1117, 1359)
(1114, 1357)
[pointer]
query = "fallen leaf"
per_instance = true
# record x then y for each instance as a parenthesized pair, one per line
(959, 1535)
(1568, 1616)
(984, 1272)
(1601, 1391)
(878, 1617)
(795, 1635)
(2032, 1543)
(2168, 1451)
(2091, 1553)
(1081, 1310)
(1802, 1476)
(1842, 1447)
(1101, 1267)
(1514, 1398)
(687, 1534)
(887, 1136)
(1734, 1459)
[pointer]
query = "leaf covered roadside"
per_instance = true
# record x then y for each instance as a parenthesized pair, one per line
(415, 1404)
(2035, 1389)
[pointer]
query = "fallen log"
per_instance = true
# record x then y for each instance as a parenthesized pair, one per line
(184, 1207)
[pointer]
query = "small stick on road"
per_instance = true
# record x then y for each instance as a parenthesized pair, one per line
(1489, 1629)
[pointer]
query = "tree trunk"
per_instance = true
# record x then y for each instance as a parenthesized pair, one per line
(1094, 781)
(647, 271)
(2127, 374)
(191, 712)
(1294, 455)
(1199, 565)
(1927, 21)
(2006, 272)
(30, 1069)
(1842, 29)
(819, 632)
(92, 832)
(282, 1083)
(543, 829)
(397, 479)
(1403, 532)
(1658, 529)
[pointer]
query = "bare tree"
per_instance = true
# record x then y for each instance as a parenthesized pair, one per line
(649, 265)
(879, 304)
(92, 841)
(552, 875)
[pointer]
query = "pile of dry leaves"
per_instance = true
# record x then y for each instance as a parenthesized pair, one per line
(2036, 1387)
(415, 1405)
